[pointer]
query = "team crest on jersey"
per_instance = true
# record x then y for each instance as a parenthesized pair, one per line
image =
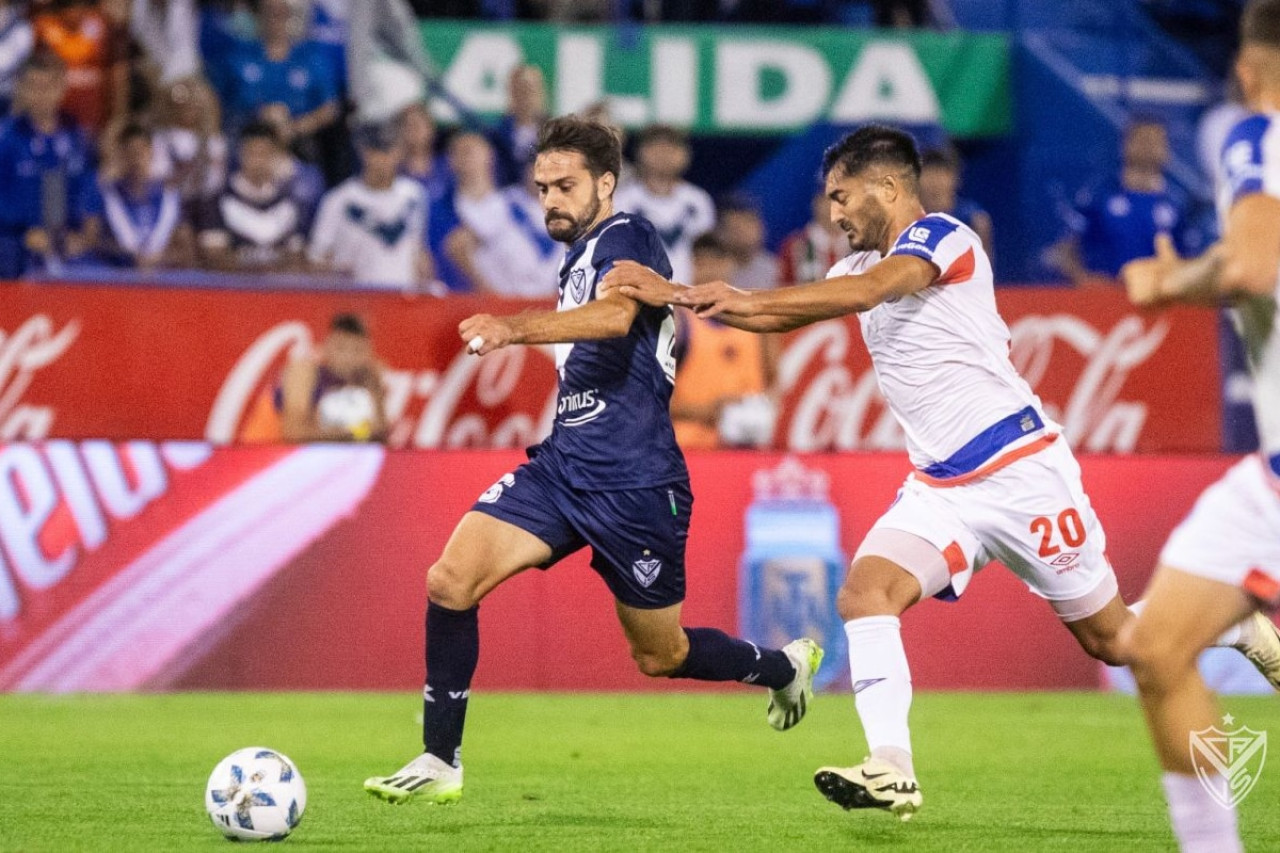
(578, 284)
(646, 571)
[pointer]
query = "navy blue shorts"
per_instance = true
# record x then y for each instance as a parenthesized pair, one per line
(637, 536)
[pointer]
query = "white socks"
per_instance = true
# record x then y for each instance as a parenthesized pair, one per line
(881, 687)
(1200, 823)
(1229, 638)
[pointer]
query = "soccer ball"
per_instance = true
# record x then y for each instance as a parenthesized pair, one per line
(255, 794)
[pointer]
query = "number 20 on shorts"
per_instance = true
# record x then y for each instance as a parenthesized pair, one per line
(1069, 525)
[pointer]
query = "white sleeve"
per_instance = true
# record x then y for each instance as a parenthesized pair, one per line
(704, 216)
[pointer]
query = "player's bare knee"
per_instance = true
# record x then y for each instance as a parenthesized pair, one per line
(656, 664)
(449, 585)
(868, 597)
(1156, 660)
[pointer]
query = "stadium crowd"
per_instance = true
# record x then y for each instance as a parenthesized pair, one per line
(258, 138)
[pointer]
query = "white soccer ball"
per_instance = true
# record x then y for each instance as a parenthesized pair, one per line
(255, 794)
(349, 407)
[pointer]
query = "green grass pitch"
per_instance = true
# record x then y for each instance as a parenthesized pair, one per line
(564, 772)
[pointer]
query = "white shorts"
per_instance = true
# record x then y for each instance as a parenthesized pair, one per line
(1032, 515)
(1233, 533)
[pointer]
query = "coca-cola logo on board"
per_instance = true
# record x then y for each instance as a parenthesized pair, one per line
(33, 345)
(834, 406)
(425, 407)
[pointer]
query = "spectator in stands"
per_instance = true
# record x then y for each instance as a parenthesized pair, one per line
(190, 150)
(255, 224)
(1117, 218)
(421, 161)
(281, 79)
(741, 231)
(166, 30)
(516, 136)
(939, 182)
(723, 374)
(333, 394)
(679, 210)
(501, 242)
(49, 206)
(145, 227)
(92, 40)
(371, 228)
(17, 40)
(809, 253)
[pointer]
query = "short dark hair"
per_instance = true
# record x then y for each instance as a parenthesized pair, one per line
(873, 145)
(597, 143)
(259, 130)
(1260, 23)
(710, 244)
(662, 133)
(350, 324)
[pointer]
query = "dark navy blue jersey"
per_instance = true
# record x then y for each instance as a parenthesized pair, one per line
(613, 422)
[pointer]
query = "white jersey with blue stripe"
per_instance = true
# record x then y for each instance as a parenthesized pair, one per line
(1251, 164)
(613, 421)
(941, 355)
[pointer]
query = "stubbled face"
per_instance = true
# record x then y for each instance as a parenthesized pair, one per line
(1146, 146)
(347, 354)
(572, 200)
(856, 207)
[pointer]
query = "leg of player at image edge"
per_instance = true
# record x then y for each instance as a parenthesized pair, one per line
(882, 694)
(453, 646)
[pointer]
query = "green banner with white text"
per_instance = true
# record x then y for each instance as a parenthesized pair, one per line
(734, 79)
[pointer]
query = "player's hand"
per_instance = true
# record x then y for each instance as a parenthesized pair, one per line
(1144, 278)
(484, 333)
(638, 282)
(717, 297)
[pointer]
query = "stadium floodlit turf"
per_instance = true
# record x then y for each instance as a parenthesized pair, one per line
(662, 771)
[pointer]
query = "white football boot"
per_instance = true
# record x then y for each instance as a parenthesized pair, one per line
(788, 705)
(427, 779)
(1260, 643)
(873, 784)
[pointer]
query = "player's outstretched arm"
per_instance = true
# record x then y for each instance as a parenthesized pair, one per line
(638, 282)
(606, 317)
(895, 276)
(1243, 263)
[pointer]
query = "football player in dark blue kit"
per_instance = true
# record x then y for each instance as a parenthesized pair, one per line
(610, 476)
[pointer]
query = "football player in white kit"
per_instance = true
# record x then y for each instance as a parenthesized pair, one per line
(993, 480)
(1223, 561)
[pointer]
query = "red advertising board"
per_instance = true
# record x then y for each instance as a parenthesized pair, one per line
(181, 566)
(168, 363)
